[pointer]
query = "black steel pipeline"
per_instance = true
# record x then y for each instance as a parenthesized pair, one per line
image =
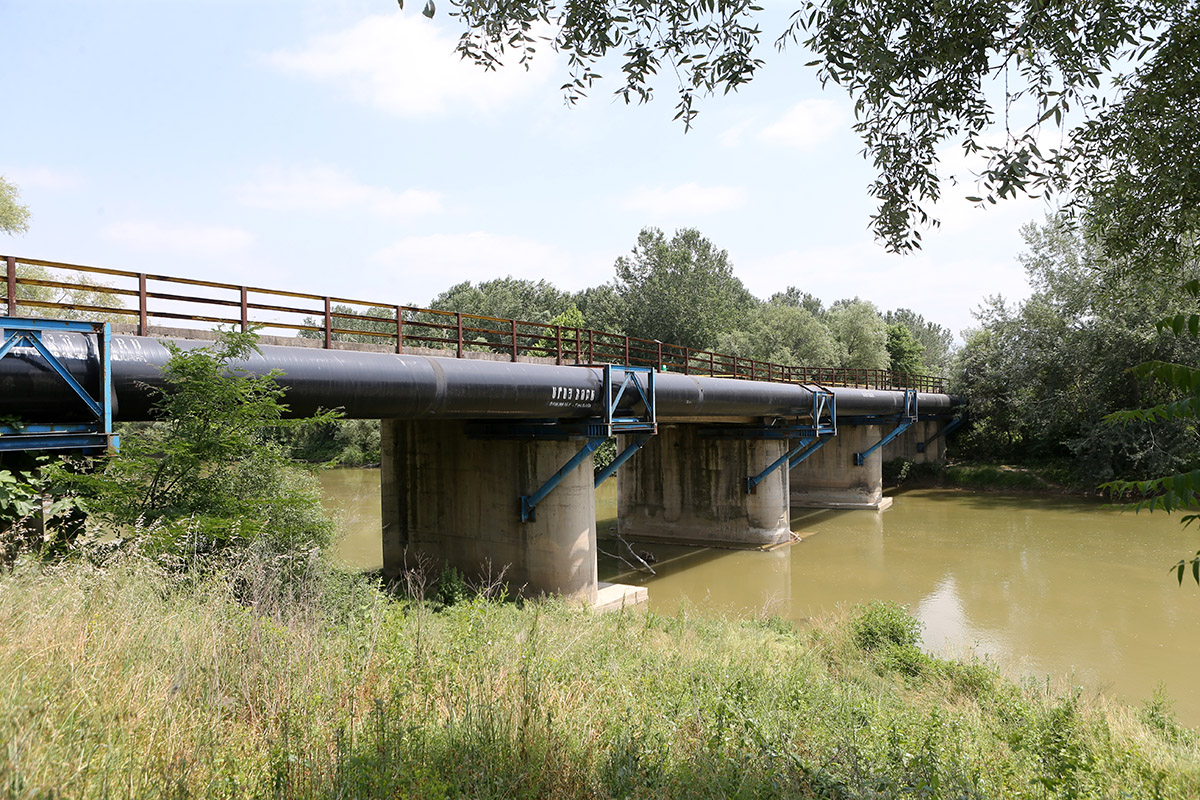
(368, 385)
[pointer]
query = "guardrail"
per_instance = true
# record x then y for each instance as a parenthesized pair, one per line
(54, 288)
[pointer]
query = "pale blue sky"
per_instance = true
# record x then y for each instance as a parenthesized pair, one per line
(342, 148)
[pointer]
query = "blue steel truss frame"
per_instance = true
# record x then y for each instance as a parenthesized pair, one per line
(904, 420)
(810, 438)
(18, 334)
(624, 389)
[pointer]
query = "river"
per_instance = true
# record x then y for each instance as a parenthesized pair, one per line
(1044, 586)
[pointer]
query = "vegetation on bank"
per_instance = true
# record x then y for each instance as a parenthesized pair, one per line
(1050, 478)
(128, 680)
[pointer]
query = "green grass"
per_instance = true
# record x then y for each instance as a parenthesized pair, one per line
(127, 682)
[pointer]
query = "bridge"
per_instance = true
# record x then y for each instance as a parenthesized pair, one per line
(488, 425)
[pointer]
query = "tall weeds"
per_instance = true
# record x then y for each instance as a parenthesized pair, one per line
(292, 680)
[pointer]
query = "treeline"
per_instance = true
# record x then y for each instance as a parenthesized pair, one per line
(1041, 377)
(682, 290)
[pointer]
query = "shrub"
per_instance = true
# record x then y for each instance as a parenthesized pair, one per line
(881, 623)
(206, 477)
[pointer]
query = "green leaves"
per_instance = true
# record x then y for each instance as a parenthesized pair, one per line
(205, 476)
(14, 217)
(1181, 567)
(1117, 77)
(680, 290)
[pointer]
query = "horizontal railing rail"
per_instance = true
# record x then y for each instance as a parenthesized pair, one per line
(51, 288)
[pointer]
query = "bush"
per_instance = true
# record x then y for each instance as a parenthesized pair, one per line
(881, 623)
(206, 477)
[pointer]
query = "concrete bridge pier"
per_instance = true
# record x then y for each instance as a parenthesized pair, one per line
(905, 445)
(687, 488)
(830, 478)
(453, 499)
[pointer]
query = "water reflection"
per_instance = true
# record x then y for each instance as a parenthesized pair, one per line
(1044, 585)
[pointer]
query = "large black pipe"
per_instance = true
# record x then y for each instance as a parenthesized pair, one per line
(369, 385)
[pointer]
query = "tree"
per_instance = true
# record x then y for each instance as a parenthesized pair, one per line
(14, 217)
(1120, 78)
(782, 333)
(861, 334)
(601, 307)
(1043, 375)
(1179, 491)
(505, 298)
(904, 351)
(681, 291)
(937, 342)
(795, 297)
(206, 478)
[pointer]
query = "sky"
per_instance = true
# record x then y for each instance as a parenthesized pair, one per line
(341, 147)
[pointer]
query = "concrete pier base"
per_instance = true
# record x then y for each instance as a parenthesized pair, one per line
(687, 489)
(830, 478)
(447, 498)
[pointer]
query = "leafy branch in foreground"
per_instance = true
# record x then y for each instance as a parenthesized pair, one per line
(1180, 491)
(1081, 97)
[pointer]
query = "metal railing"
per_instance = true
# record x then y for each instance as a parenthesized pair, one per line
(57, 289)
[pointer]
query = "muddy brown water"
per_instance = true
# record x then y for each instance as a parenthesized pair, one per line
(1047, 587)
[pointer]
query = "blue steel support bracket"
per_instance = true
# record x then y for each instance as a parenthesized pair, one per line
(810, 448)
(753, 481)
(945, 429)
(626, 454)
(529, 502)
(27, 333)
(811, 439)
(906, 420)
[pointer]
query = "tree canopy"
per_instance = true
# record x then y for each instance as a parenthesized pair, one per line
(680, 290)
(1114, 84)
(14, 217)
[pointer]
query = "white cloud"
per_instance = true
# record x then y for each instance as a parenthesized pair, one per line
(324, 188)
(404, 64)
(688, 198)
(48, 178)
(805, 125)
(425, 265)
(733, 135)
(208, 240)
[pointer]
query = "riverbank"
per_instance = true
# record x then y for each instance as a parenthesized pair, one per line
(1052, 479)
(128, 682)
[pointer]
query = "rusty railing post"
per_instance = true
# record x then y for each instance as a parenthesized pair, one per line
(627, 350)
(458, 322)
(399, 330)
(328, 324)
(514, 340)
(11, 276)
(660, 369)
(578, 346)
(143, 312)
(245, 311)
(591, 346)
(687, 361)
(558, 344)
